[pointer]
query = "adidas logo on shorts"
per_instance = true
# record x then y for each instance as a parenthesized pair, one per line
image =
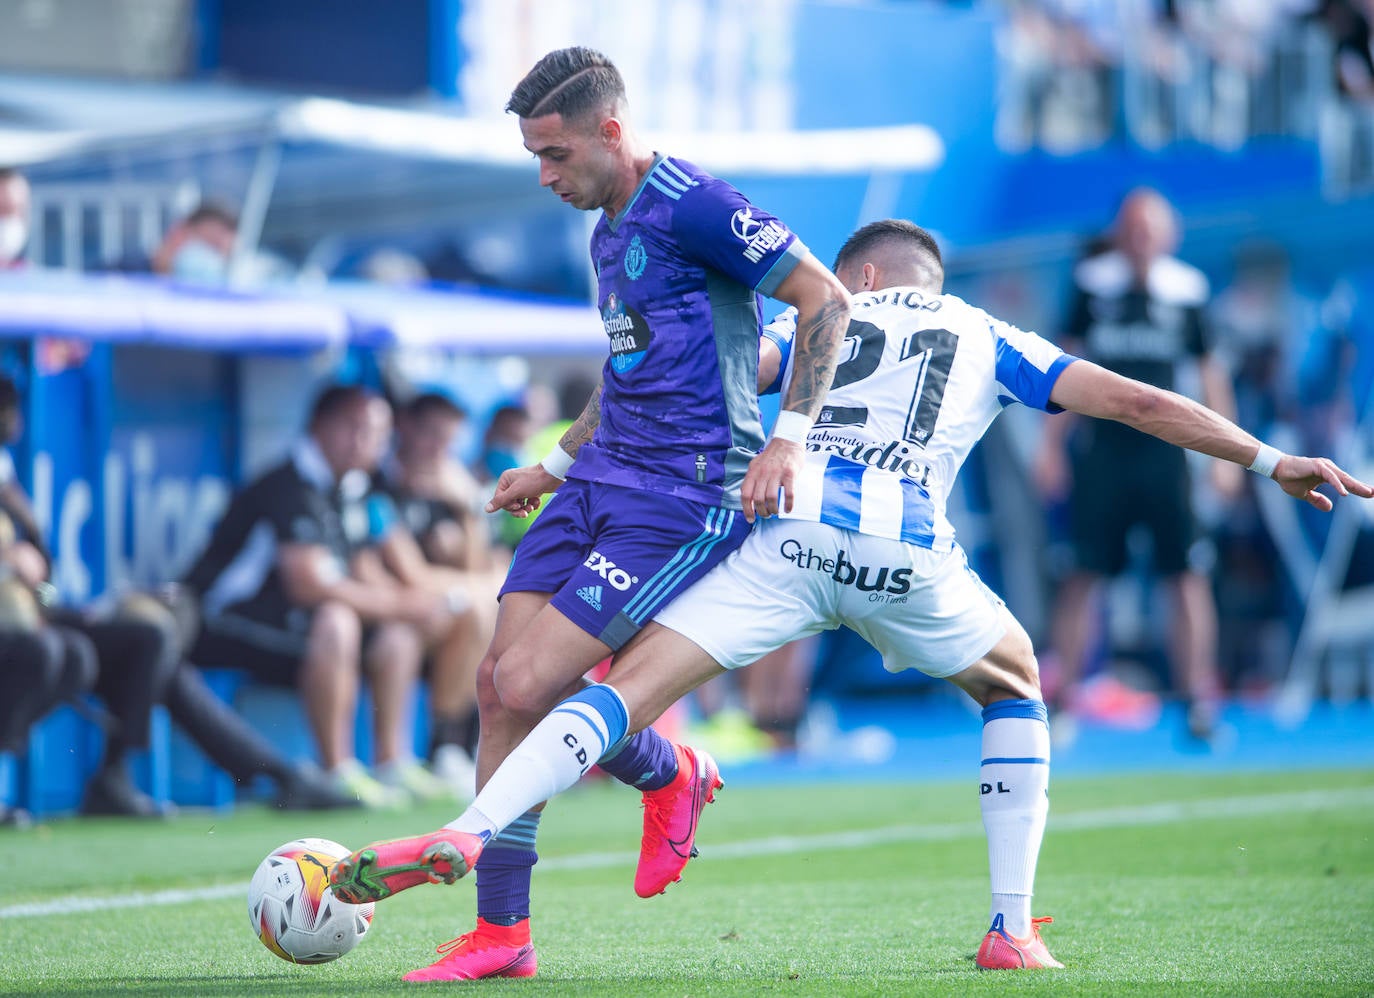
(591, 595)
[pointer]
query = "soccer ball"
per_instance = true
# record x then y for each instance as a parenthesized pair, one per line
(294, 912)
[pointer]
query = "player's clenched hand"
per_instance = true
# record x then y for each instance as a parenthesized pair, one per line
(1300, 476)
(774, 470)
(520, 491)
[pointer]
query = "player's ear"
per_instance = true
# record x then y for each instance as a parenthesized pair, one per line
(870, 274)
(611, 133)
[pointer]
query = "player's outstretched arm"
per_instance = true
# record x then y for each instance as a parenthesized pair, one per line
(823, 315)
(1091, 390)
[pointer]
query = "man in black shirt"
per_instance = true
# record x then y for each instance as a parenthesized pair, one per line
(130, 657)
(281, 601)
(1139, 312)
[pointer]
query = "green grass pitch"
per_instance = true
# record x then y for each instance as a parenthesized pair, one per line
(1257, 884)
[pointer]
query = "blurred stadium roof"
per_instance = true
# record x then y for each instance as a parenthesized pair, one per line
(307, 168)
(45, 119)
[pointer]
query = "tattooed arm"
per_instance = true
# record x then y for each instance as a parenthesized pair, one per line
(823, 316)
(584, 426)
(823, 307)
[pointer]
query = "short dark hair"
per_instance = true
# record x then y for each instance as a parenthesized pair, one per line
(334, 400)
(212, 211)
(433, 404)
(572, 82)
(888, 230)
(10, 173)
(511, 410)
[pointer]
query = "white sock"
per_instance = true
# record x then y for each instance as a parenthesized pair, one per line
(553, 757)
(1014, 793)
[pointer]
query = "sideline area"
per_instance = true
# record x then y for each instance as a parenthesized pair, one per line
(936, 738)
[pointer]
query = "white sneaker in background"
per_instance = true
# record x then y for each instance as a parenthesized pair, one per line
(456, 770)
(352, 778)
(414, 781)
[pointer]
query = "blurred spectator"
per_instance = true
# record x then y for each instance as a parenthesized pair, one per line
(1215, 70)
(130, 655)
(1060, 60)
(1345, 119)
(1264, 323)
(279, 600)
(40, 670)
(1339, 373)
(1347, 22)
(439, 499)
(126, 669)
(196, 248)
(216, 728)
(1231, 53)
(14, 217)
(1139, 312)
(1337, 391)
(410, 524)
(505, 442)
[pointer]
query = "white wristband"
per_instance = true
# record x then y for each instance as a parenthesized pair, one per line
(1266, 460)
(793, 426)
(557, 463)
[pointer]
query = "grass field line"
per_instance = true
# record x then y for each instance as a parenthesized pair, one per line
(1162, 813)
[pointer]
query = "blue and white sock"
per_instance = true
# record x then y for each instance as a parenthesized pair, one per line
(552, 757)
(1014, 791)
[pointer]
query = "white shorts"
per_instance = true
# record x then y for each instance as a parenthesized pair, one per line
(792, 578)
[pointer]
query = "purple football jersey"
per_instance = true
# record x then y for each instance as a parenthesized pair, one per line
(678, 277)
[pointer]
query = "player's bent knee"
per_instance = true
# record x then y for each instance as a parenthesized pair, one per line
(486, 676)
(520, 690)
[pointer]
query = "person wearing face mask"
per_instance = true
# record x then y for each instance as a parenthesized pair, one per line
(195, 249)
(14, 217)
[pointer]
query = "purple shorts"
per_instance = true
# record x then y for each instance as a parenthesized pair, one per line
(613, 557)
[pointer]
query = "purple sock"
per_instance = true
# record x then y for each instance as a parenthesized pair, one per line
(503, 872)
(645, 760)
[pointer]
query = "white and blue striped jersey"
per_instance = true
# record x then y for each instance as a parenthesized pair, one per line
(920, 379)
